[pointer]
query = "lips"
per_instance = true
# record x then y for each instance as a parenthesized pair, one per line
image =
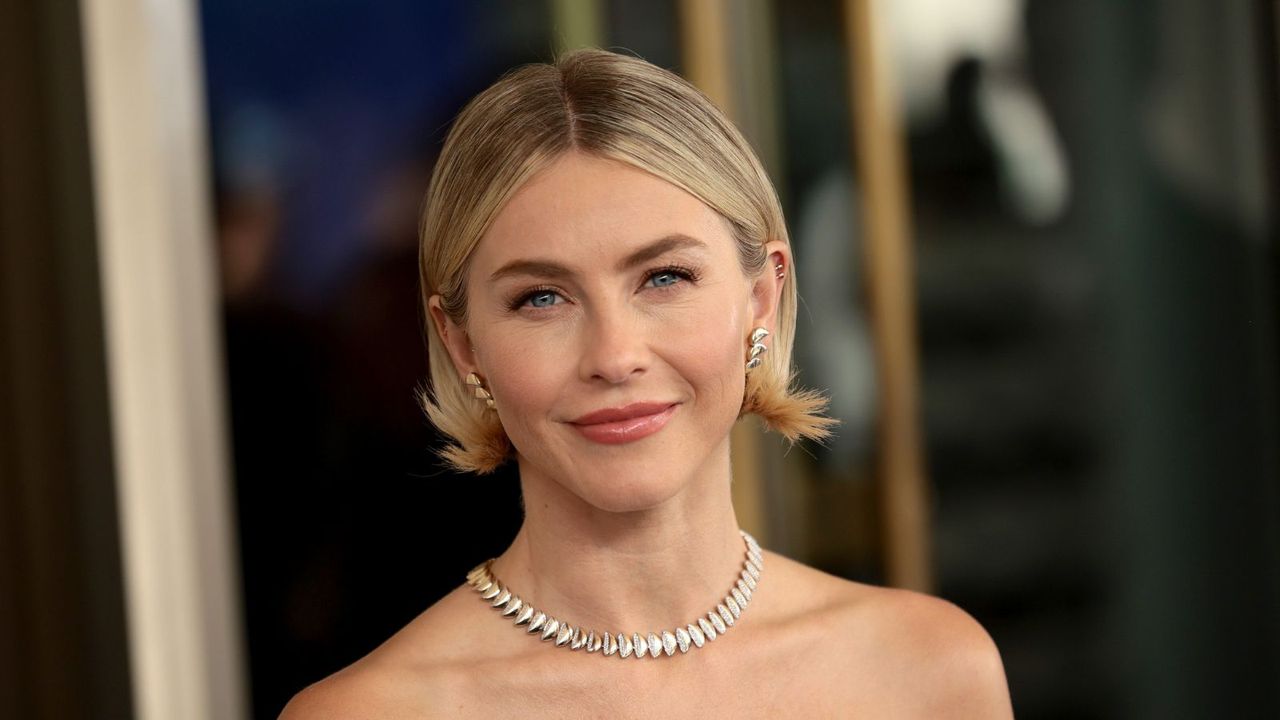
(627, 412)
(614, 426)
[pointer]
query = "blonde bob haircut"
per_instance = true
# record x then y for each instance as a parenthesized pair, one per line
(609, 106)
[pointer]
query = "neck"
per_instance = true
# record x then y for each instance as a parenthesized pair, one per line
(631, 571)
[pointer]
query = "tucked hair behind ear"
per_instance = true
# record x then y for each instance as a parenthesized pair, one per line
(621, 108)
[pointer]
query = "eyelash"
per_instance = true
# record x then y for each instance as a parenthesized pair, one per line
(686, 274)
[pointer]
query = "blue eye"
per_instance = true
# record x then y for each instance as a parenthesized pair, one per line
(665, 278)
(671, 275)
(536, 299)
(543, 299)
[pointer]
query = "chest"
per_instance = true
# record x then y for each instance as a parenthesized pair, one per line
(683, 688)
(747, 700)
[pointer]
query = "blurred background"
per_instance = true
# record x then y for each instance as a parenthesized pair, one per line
(1036, 246)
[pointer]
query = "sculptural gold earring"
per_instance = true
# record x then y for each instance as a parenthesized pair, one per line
(758, 348)
(478, 390)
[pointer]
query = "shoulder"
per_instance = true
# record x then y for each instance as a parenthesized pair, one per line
(937, 654)
(408, 676)
(925, 656)
(348, 694)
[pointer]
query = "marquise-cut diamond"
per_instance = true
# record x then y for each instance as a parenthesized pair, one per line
(749, 580)
(707, 628)
(655, 645)
(742, 588)
(717, 622)
(668, 643)
(725, 614)
(755, 573)
(695, 634)
(624, 645)
(682, 639)
(739, 597)
(733, 607)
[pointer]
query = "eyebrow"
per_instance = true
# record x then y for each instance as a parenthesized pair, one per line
(553, 269)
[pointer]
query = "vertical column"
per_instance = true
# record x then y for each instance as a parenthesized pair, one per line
(878, 144)
(147, 138)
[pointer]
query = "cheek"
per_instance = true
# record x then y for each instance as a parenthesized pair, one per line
(706, 349)
(526, 374)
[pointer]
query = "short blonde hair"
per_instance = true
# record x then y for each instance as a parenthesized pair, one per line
(610, 106)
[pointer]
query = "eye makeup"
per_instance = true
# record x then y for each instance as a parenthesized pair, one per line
(519, 301)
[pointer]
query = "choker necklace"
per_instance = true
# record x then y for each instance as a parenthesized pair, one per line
(695, 634)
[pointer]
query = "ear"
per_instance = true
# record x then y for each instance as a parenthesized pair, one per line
(454, 337)
(766, 289)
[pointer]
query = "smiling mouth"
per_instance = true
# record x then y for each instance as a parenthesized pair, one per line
(624, 425)
(626, 412)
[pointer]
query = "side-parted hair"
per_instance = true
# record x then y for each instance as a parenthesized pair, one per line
(615, 107)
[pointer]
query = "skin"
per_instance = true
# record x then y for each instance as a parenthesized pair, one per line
(642, 536)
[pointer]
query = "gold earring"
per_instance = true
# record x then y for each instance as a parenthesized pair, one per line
(778, 271)
(479, 391)
(758, 348)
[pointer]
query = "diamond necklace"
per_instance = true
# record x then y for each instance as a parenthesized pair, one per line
(695, 634)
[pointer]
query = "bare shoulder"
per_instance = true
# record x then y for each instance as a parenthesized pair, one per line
(405, 677)
(943, 646)
(925, 656)
(353, 692)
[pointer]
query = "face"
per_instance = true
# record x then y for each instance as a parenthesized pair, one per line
(603, 290)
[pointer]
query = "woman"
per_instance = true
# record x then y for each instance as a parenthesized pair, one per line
(608, 277)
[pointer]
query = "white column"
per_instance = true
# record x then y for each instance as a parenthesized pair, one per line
(164, 355)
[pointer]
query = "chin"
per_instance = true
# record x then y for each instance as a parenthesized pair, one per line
(630, 491)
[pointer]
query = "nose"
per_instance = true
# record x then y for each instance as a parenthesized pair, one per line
(615, 347)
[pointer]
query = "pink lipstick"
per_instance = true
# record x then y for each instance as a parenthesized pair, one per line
(614, 426)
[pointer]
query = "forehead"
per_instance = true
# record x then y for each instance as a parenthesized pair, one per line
(583, 208)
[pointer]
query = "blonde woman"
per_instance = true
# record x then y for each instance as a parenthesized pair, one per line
(609, 283)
